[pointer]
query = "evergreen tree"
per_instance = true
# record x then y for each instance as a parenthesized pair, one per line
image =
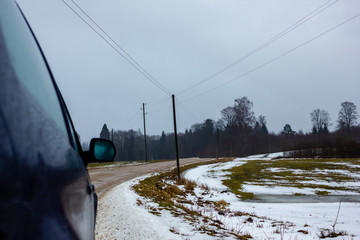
(287, 130)
(257, 128)
(314, 130)
(162, 146)
(264, 130)
(325, 129)
(262, 122)
(105, 134)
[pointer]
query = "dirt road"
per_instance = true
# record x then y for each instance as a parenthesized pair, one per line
(106, 178)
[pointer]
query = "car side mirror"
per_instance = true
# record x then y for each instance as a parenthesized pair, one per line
(101, 150)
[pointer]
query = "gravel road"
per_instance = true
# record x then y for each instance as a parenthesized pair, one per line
(105, 178)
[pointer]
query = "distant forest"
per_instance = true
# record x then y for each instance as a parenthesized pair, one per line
(240, 133)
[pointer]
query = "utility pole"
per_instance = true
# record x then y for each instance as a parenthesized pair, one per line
(112, 135)
(176, 139)
(146, 156)
(217, 143)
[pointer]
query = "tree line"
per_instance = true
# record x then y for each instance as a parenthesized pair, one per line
(239, 132)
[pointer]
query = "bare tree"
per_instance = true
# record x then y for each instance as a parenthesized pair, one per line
(245, 117)
(320, 120)
(347, 117)
(262, 120)
(228, 116)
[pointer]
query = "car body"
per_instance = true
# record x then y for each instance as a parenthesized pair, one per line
(46, 191)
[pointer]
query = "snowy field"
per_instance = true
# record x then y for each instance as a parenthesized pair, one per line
(121, 217)
(315, 216)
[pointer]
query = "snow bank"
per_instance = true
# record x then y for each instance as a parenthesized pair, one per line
(120, 218)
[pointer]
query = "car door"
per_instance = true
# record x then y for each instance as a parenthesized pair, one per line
(47, 193)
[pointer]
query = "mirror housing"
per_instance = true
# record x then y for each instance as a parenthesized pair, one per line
(101, 150)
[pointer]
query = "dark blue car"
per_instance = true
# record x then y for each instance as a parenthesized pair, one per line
(45, 190)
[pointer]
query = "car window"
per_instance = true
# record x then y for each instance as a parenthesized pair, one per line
(29, 65)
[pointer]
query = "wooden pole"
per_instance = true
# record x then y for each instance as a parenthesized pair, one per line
(146, 155)
(176, 139)
(217, 143)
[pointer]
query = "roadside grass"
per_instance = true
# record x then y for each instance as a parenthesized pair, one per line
(171, 194)
(297, 173)
(97, 164)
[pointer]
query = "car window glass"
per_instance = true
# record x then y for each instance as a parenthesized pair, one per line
(29, 65)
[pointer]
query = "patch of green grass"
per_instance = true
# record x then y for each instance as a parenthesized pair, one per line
(322, 193)
(236, 187)
(293, 173)
(299, 194)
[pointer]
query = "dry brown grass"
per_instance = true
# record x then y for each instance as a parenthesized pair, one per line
(170, 193)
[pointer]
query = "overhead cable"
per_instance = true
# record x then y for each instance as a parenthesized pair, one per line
(123, 54)
(133, 62)
(274, 59)
(131, 119)
(292, 27)
(186, 109)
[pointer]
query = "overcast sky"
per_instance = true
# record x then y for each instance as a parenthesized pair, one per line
(181, 43)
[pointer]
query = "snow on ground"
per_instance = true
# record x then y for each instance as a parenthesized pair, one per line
(317, 216)
(312, 217)
(119, 216)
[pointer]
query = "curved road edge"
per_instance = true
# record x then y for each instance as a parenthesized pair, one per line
(106, 178)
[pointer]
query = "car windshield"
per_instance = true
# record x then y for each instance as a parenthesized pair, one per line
(28, 63)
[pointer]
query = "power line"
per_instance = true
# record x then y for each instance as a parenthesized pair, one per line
(147, 75)
(292, 27)
(274, 59)
(306, 18)
(160, 109)
(159, 101)
(135, 64)
(186, 109)
(131, 119)
(178, 102)
(145, 71)
(181, 105)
